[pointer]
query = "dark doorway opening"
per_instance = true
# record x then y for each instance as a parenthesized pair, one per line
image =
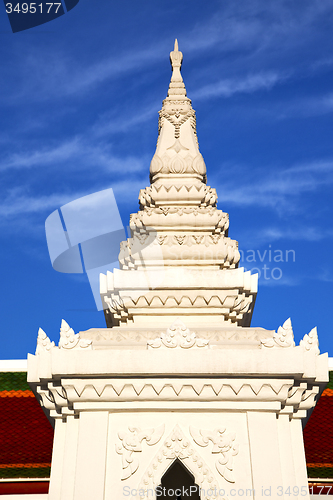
(178, 483)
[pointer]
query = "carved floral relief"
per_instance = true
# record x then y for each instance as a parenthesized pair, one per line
(224, 445)
(131, 445)
(178, 335)
(178, 446)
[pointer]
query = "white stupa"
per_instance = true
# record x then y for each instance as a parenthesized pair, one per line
(178, 390)
(184, 262)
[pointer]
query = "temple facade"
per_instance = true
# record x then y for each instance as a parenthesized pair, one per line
(179, 396)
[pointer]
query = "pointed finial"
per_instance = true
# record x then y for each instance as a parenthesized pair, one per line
(176, 58)
(310, 341)
(43, 342)
(284, 337)
(71, 340)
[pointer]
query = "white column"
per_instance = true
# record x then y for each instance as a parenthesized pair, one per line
(299, 456)
(69, 458)
(286, 456)
(57, 459)
(91, 455)
(265, 456)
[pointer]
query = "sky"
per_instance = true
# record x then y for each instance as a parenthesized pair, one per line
(79, 109)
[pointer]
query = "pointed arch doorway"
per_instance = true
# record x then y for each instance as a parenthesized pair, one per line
(178, 483)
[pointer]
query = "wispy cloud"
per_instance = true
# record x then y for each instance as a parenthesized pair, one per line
(63, 76)
(327, 62)
(80, 152)
(17, 203)
(279, 189)
(325, 275)
(273, 234)
(111, 68)
(285, 280)
(43, 156)
(303, 107)
(111, 124)
(253, 32)
(248, 84)
(97, 161)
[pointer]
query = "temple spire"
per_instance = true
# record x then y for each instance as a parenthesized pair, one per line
(177, 87)
(177, 149)
(176, 58)
(179, 238)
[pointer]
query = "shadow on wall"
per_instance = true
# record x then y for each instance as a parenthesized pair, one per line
(178, 483)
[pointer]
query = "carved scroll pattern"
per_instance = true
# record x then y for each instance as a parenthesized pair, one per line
(223, 444)
(131, 444)
(177, 446)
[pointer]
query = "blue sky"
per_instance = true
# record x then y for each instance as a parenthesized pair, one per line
(78, 112)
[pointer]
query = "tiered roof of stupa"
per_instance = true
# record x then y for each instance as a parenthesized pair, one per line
(179, 260)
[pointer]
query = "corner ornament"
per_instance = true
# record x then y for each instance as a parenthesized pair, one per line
(43, 342)
(131, 443)
(223, 444)
(178, 336)
(71, 340)
(284, 337)
(310, 341)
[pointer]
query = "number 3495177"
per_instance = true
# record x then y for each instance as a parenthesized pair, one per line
(33, 8)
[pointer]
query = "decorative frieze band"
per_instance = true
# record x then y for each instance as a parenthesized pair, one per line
(177, 389)
(63, 397)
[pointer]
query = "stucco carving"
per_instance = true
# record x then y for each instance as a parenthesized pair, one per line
(176, 119)
(158, 194)
(234, 308)
(43, 342)
(310, 341)
(177, 446)
(131, 444)
(284, 337)
(169, 389)
(223, 444)
(178, 335)
(70, 340)
(140, 336)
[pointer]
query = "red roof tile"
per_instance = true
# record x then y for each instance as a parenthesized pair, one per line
(318, 436)
(26, 436)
